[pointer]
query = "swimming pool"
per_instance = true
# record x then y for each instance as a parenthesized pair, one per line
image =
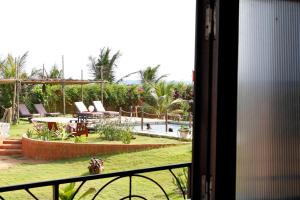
(159, 129)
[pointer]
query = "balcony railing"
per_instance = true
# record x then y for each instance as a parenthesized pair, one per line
(115, 176)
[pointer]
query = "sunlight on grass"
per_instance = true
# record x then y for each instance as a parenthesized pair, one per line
(24, 173)
(16, 131)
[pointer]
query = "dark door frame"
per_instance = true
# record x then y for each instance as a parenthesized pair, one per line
(216, 65)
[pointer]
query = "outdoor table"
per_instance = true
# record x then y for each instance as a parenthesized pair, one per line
(52, 121)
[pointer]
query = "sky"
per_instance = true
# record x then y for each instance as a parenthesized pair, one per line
(146, 32)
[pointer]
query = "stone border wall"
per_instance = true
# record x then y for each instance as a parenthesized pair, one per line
(46, 150)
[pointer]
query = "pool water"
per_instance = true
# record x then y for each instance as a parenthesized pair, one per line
(160, 128)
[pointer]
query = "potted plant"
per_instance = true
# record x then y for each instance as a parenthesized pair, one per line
(184, 131)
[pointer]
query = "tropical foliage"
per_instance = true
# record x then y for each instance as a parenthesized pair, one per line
(9, 66)
(115, 131)
(107, 62)
(154, 95)
(150, 75)
(160, 99)
(182, 181)
(8, 69)
(54, 73)
(69, 191)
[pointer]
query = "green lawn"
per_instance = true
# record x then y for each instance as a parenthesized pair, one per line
(28, 172)
(16, 131)
(24, 173)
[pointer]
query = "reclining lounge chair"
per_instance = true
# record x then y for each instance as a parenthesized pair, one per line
(83, 111)
(24, 112)
(42, 111)
(100, 108)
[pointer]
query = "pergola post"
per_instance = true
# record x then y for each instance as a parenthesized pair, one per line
(63, 86)
(18, 94)
(102, 85)
(81, 86)
(14, 107)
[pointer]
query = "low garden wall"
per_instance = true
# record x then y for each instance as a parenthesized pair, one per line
(46, 150)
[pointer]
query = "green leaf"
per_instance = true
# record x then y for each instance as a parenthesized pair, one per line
(89, 191)
(69, 187)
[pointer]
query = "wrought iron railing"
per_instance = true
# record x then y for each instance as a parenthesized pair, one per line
(115, 176)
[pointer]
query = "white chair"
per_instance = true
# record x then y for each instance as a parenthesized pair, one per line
(100, 108)
(83, 111)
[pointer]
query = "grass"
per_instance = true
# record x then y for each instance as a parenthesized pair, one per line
(16, 132)
(24, 173)
(139, 139)
(32, 172)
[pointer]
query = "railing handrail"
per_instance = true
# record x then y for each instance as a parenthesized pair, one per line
(92, 177)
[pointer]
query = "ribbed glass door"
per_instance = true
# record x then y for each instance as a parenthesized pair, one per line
(268, 116)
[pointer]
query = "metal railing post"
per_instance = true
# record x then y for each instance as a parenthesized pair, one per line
(189, 182)
(130, 187)
(55, 192)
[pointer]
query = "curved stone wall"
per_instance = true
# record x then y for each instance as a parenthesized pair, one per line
(51, 150)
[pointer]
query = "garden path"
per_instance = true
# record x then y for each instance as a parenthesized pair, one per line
(9, 161)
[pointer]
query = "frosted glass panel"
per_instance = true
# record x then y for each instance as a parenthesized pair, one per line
(268, 125)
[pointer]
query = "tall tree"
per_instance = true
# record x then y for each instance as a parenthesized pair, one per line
(10, 64)
(54, 73)
(150, 75)
(106, 62)
(160, 99)
(8, 69)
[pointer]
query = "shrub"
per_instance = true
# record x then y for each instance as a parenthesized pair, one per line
(126, 137)
(115, 131)
(182, 180)
(41, 131)
(69, 191)
(114, 95)
(80, 139)
(29, 133)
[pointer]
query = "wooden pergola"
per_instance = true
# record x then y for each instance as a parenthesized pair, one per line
(62, 82)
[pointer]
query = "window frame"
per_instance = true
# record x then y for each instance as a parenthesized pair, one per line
(216, 66)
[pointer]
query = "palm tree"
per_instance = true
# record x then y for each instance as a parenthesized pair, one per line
(54, 73)
(147, 76)
(8, 69)
(106, 62)
(160, 99)
(8, 66)
(150, 75)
